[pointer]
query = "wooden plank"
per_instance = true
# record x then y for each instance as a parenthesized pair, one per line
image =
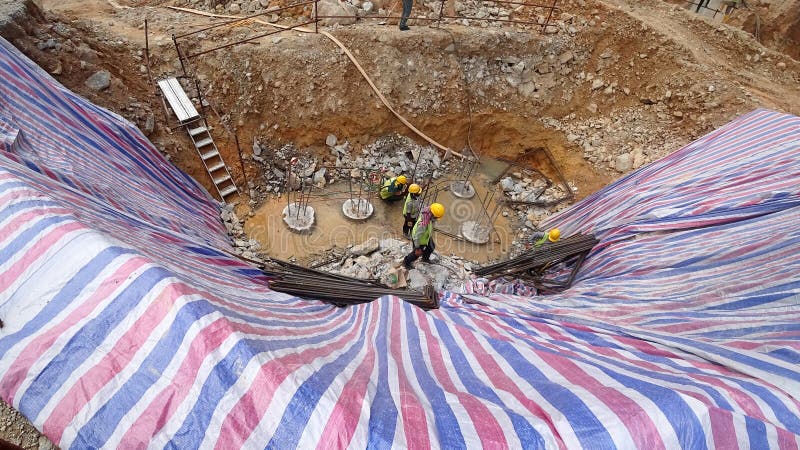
(178, 100)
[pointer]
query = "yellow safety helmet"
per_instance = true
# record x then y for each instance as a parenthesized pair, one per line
(437, 209)
(402, 179)
(554, 234)
(414, 188)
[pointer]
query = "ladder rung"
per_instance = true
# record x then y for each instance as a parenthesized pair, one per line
(198, 130)
(203, 143)
(216, 167)
(210, 154)
(227, 191)
(222, 179)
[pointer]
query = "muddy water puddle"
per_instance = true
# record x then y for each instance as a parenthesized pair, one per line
(333, 229)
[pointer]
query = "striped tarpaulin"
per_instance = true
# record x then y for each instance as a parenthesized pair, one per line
(128, 325)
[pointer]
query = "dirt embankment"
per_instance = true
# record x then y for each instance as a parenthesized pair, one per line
(611, 86)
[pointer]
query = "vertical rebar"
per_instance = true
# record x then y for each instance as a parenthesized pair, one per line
(547, 22)
(350, 189)
(316, 16)
(288, 188)
(416, 163)
(439, 19)
(241, 158)
(360, 190)
(180, 55)
(147, 53)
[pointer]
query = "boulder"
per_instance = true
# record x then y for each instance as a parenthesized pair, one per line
(337, 8)
(99, 80)
(623, 162)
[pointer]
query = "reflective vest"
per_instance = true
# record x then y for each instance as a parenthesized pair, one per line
(411, 206)
(545, 238)
(423, 228)
(389, 188)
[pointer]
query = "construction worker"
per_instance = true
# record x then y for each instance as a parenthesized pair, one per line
(422, 234)
(730, 6)
(411, 208)
(546, 236)
(393, 188)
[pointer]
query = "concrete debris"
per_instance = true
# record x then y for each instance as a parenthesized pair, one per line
(382, 259)
(367, 247)
(242, 245)
(397, 155)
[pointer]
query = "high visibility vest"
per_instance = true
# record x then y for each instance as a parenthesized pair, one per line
(542, 240)
(422, 233)
(411, 206)
(389, 188)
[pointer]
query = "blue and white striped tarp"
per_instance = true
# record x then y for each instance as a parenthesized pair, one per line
(128, 325)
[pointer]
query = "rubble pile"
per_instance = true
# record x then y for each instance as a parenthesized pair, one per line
(242, 245)
(382, 259)
(397, 155)
(526, 186)
(387, 156)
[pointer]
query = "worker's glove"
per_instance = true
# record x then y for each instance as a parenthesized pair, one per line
(418, 251)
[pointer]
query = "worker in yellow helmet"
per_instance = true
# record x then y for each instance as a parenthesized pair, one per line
(422, 234)
(393, 188)
(411, 208)
(546, 236)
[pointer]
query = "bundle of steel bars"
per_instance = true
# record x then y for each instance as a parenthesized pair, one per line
(534, 261)
(338, 289)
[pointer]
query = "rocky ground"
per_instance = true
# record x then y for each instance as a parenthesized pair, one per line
(16, 430)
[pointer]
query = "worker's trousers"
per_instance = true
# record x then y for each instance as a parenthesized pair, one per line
(406, 11)
(427, 251)
(408, 224)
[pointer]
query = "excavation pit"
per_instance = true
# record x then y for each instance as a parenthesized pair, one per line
(357, 209)
(299, 218)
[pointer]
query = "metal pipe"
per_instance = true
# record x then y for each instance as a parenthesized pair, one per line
(193, 55)
(242, 19)
(376, 17)
(534, 5)
(526, 22)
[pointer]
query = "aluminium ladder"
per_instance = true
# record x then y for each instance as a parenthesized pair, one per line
(197, 128)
